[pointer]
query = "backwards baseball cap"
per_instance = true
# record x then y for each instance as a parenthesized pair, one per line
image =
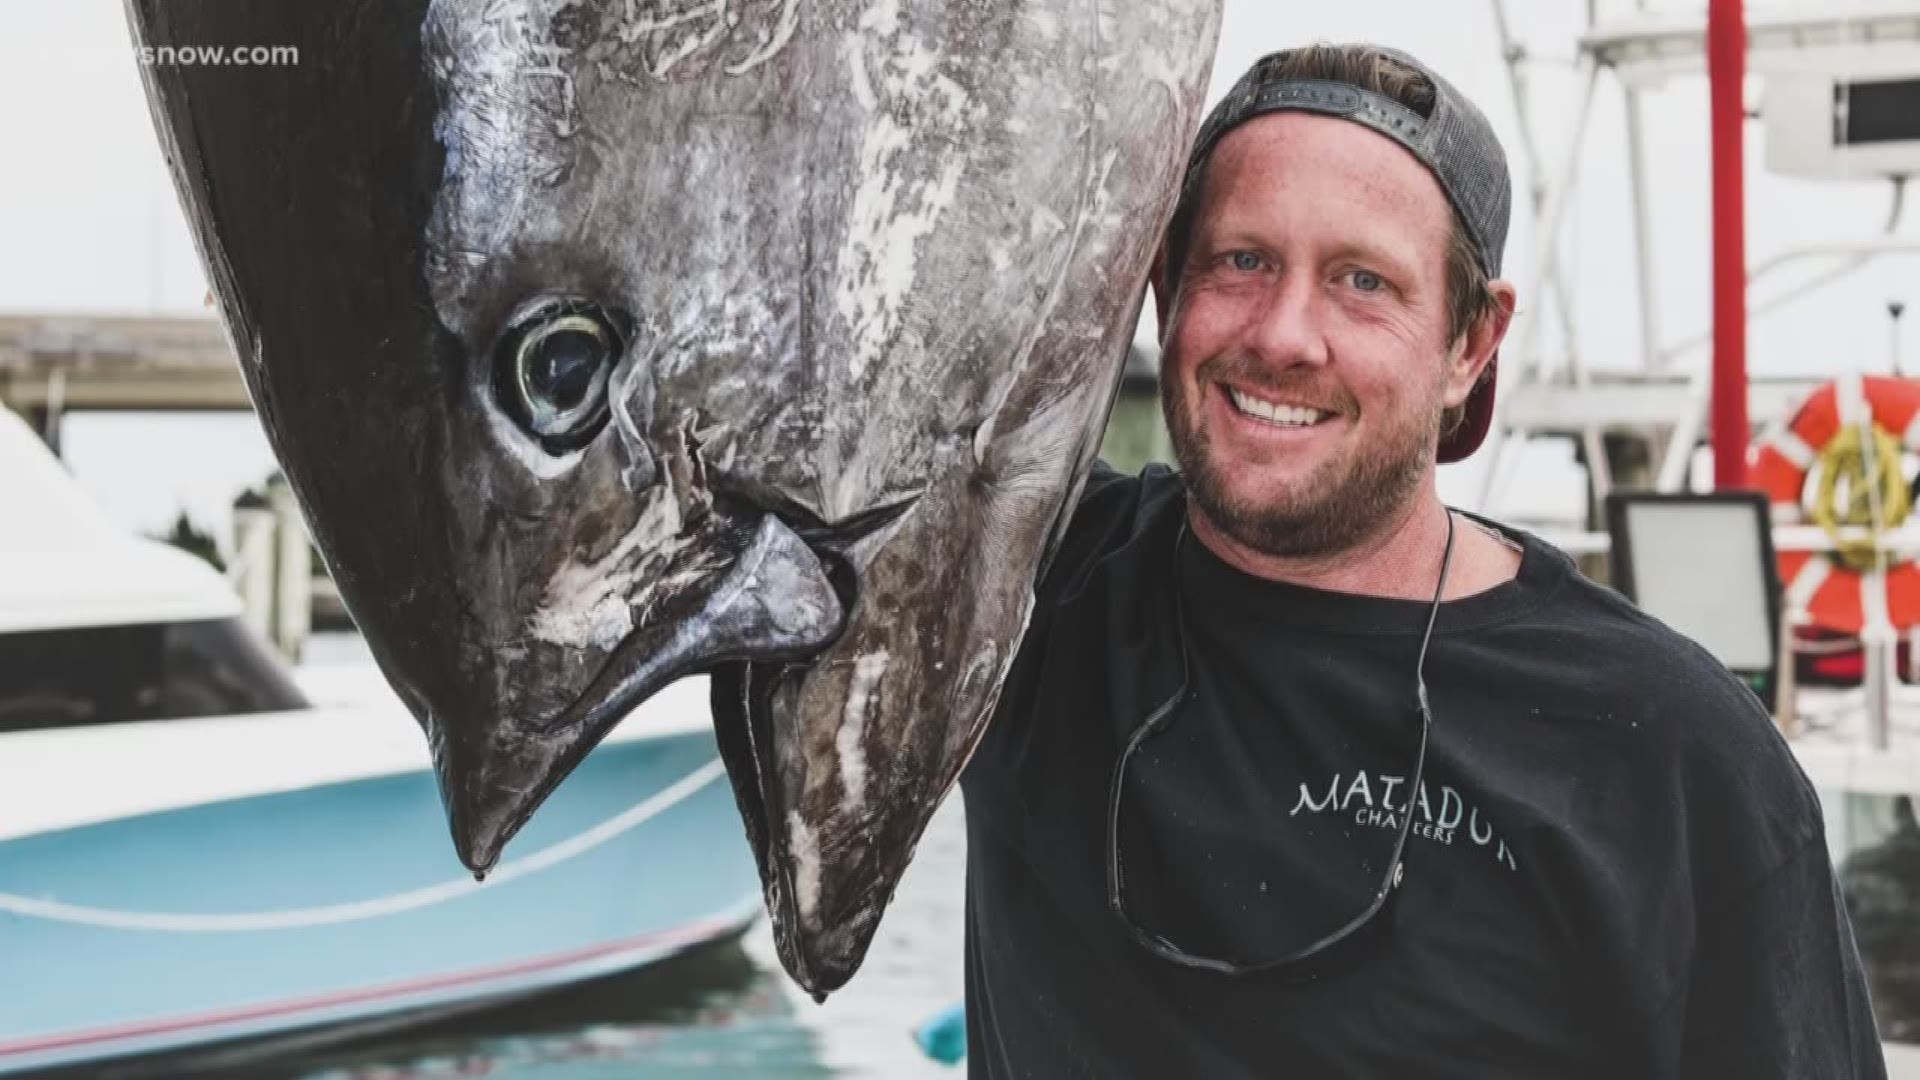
(1452, 139)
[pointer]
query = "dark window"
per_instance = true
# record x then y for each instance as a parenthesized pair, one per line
(164, 671)
(1876, 112)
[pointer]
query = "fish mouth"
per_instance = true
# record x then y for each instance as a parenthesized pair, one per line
(743, 700)
(784, 600)
(753, 707)
(748, 699)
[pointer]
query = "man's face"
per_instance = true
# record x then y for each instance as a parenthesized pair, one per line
(1306, 355)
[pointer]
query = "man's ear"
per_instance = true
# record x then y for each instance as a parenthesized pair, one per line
(1479, 344)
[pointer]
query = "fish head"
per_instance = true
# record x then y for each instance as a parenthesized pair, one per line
(607, 342)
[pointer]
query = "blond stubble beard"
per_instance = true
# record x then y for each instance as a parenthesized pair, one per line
(1340, 507)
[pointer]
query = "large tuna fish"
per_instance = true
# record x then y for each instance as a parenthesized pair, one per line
(610, 341)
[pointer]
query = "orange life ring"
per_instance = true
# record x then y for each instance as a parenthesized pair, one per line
(1832, 595)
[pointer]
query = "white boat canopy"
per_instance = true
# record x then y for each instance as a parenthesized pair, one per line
(65, 564)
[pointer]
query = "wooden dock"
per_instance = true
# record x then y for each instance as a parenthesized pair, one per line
(53, 363)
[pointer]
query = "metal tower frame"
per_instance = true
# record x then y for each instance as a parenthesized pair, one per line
(1664, 400)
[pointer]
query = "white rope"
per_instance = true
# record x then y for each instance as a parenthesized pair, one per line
(1850, 400)
(358, 910)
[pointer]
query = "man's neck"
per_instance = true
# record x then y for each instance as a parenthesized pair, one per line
(1400, 561)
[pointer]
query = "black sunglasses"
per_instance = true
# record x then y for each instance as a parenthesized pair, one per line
(1321, 950)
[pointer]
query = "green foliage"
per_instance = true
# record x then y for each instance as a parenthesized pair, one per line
(1136, 433)
(190, 538)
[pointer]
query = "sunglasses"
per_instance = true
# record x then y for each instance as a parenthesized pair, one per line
(1325, 949)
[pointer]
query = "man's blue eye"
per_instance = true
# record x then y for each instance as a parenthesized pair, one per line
(1367, 281)
(1246, 261)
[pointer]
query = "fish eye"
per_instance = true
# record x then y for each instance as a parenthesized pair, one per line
(552, 369)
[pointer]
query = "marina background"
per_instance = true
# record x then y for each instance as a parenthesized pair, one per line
(88, 223)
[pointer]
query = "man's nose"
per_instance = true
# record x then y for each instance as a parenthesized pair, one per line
(1289, 328)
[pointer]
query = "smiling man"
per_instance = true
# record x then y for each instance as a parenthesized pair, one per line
(1300, 773)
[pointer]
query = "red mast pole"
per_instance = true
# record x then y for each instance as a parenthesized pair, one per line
(1726, 73)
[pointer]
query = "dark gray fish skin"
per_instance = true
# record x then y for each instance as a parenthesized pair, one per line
(610, 341)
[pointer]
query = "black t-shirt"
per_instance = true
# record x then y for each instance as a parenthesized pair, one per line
(1617, 867)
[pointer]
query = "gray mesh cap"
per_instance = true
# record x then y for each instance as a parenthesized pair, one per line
(1453, 140)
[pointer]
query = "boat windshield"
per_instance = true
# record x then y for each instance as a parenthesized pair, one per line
(162, 671)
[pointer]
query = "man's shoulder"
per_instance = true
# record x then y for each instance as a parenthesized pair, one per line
(1663, 692)
(1644, 657)
(1616, 645)
(1112, 496)
(1112, 510)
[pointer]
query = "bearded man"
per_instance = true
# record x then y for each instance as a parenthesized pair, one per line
(1300, 773)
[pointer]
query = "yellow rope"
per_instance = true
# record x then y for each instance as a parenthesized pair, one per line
(1844, 459)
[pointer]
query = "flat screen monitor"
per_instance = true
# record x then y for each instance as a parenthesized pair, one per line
(1704, 565)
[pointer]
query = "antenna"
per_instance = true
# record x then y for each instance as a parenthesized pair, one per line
(1895, 309)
